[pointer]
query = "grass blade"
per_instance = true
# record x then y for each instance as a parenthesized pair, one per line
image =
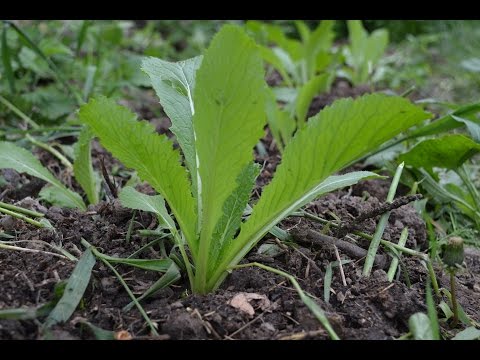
(394, 265)
(74, 290)
(382, 224)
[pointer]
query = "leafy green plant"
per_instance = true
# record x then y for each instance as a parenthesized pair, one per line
(297, 61)
(21, 160)
(363, 52)
(306, 67)
(449, 152)
(216, 105)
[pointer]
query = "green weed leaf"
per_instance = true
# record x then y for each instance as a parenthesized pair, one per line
(21, 160)
(174, 84)
(449, 151)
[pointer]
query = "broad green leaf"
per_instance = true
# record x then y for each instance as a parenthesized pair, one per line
(21, 160)
(318, 84)
(82, 167)
(76, 285)
(174, 84)
(420, 327)
(376, 45)
(133, 199)
(233, 209)
(358, 41)
(470, 333)
(336, 136)
(228, 121)
(7, 61)
(136, 144)
(449, 152)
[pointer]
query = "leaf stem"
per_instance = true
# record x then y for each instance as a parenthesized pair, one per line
(20, 210)
(453, 291)
(21, 217)
(18, 112)
(51, 150)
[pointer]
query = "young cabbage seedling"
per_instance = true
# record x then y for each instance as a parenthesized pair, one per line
(217, 108)
(453, 257)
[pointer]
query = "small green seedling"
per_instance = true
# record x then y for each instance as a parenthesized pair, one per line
(363, 52)
(307, 67)
(453, 258)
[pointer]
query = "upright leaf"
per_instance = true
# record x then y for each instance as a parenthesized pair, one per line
(228, 122)
(331, 140)
(307, 92)
(281, 124)
(82, 167)
(21, 160)
(137, 145)
(358, 42)
(174, 84)
(7, 60)
(319, 41)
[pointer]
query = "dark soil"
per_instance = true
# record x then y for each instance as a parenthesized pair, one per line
(366, 308)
